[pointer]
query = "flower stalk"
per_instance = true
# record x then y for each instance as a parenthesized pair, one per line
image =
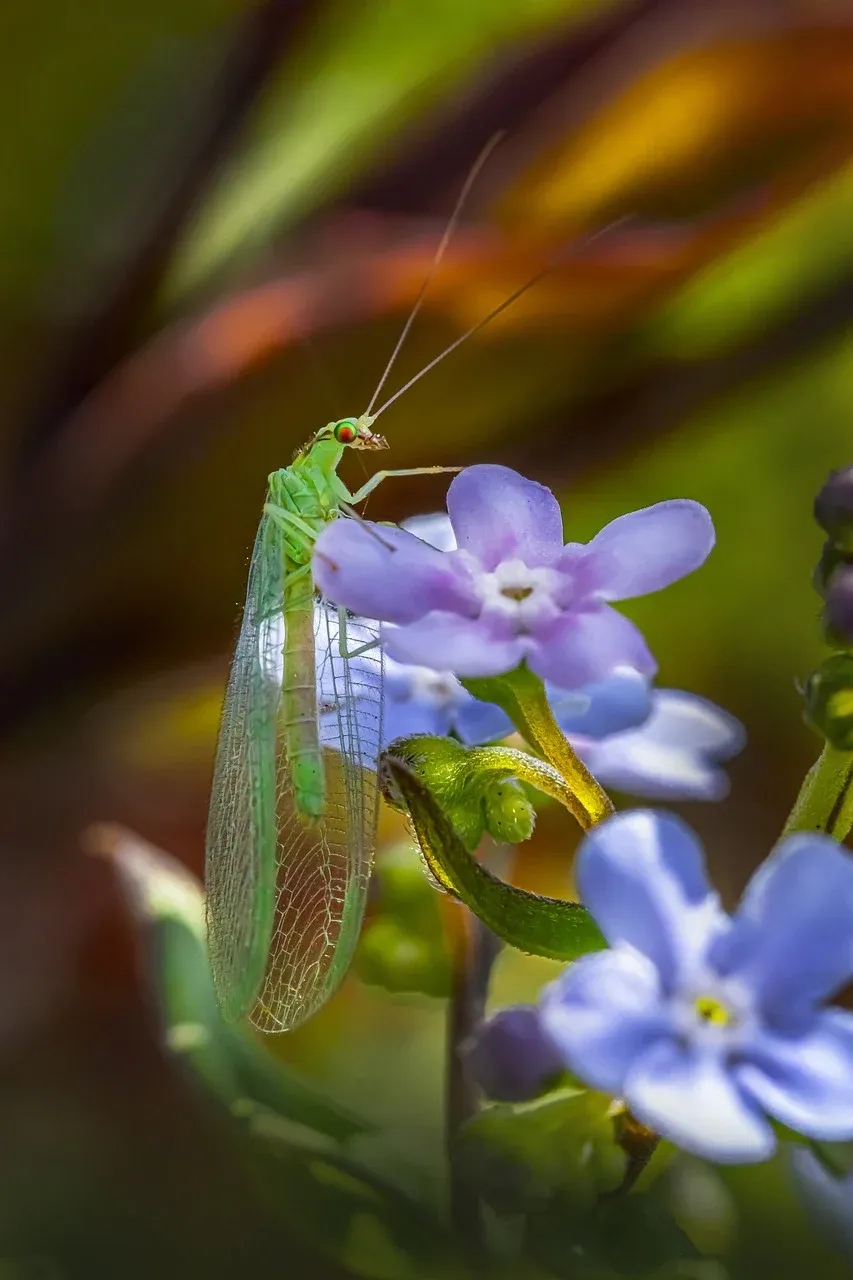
(522, 696)
(825, 802)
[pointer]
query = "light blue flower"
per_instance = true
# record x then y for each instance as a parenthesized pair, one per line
(420, 700)
(623, 701)
(707, 1024)
(674, 754)
(660, 744)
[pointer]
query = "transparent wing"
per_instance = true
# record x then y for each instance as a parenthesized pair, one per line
(240, 854)
(323, 867)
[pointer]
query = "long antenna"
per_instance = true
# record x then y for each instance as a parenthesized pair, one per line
(496, 311)
(439, 254)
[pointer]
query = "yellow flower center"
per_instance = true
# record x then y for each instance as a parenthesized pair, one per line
(712, 1010)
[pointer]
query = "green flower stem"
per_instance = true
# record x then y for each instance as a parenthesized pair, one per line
(825, 802)
(522, 696)
(529, 922)
(543, 774)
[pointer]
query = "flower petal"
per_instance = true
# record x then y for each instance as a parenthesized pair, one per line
(477, 722)
(403, 719)
(386, 573)
(637, 765)
(673, 755)
(646, 550)
(499, 515)
(512, 1057)
(446, 642)
(690, 1097)
(792, 937)
(582, 648)
(642, 876)
(684, 719)
(435, 529)
(620, 702)
(602, 1012)
(806, 1081)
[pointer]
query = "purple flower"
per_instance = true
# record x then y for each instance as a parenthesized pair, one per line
(623, 701)
(661, 744)
(654, 743)
(511, 1057)
(706, 1024)
(512, 591)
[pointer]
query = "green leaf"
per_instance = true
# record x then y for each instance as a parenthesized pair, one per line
(528, 921)
(521, 1155)
(521, 694)
(230, 1060)
(633, 1235)
(774, 1235)
(358, 1218)
(556, 1162)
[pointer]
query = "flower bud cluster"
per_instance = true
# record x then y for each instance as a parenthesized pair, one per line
(833, 509)
(829, 691)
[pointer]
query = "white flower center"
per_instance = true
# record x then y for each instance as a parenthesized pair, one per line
(515, 592)
(440, 688)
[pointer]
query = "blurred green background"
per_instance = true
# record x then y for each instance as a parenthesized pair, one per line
(213, 220)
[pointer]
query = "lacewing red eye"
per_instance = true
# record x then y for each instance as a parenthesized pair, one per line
(345, 431)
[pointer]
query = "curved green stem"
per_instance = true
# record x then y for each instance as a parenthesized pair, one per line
(509, 762)
(529, 922)
(825, 802)
(522, 696)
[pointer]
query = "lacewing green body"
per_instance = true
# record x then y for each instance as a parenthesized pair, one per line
(294, 801)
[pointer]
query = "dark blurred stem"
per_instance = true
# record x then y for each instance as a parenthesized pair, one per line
(474, 950)
(639, 1145)
(825, 802)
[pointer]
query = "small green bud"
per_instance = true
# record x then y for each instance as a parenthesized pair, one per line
(400, 960)
(476, 794)
(469, 822)
(402, 891)
(829, 701)
(509, 815)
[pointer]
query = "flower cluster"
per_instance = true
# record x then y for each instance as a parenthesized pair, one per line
(707, 1024)
(656, 743)
(710, 1027)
